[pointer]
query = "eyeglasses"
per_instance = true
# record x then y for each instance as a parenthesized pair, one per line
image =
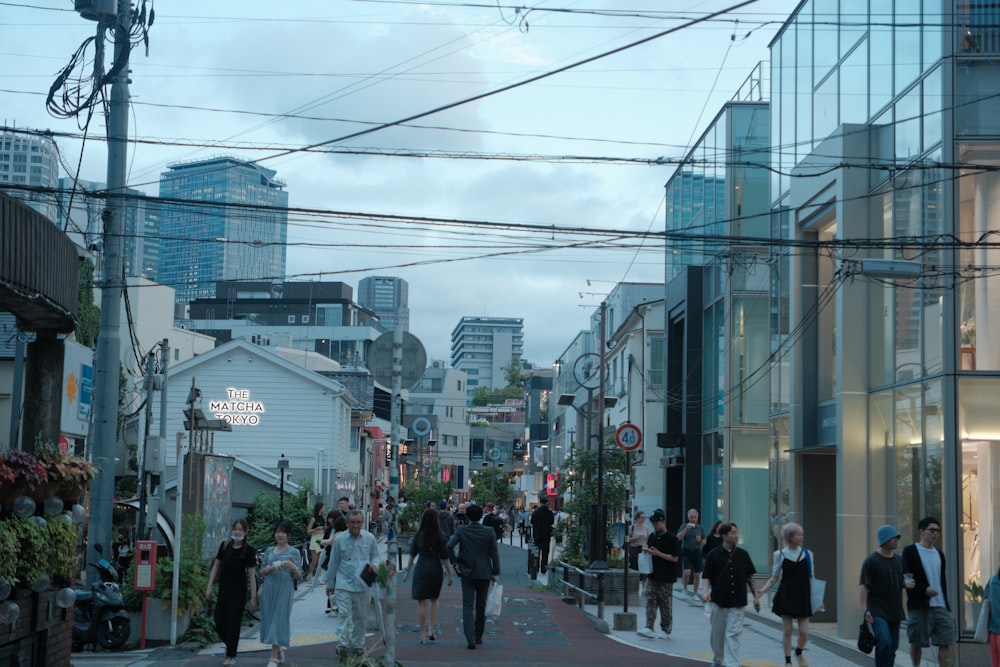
(933, 530)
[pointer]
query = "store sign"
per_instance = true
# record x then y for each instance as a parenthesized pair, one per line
(238, 409)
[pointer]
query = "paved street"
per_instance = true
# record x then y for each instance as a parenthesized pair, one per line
(536, 628)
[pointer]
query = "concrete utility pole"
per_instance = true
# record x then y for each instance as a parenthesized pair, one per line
(393, 544)
(109, 340)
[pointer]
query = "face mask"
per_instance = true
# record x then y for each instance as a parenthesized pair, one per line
(237, 538)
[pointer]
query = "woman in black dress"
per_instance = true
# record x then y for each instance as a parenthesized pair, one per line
(793, 568)
(233, 567)
(432, 564)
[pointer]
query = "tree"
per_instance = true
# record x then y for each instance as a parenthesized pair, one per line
(419, 493)
(514, 374)
(266, 512)
(580, 490)
(491, 484)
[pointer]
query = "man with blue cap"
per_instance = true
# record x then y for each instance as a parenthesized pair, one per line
(881, 594)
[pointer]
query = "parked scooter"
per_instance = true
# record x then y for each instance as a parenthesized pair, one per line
(99, 616)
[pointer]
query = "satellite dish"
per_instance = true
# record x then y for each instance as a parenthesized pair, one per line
(380, 360)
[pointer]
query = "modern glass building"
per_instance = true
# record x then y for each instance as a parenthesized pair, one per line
(29, 163)
(717, 219)
(389, 298)
(886, 131)
(221, 219)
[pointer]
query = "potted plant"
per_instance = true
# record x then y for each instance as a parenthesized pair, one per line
(27, 473)
(70, 474)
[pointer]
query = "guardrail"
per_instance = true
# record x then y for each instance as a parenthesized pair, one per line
(579, 589)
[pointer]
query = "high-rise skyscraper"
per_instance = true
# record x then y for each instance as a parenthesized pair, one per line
(221, 219)
(79, 215)
(387, 297)
(484, 346)
(29, 159)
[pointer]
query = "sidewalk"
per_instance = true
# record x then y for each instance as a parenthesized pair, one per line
(537, 627)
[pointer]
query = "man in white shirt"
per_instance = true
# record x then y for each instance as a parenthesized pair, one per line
(352, 552)
(928, 618)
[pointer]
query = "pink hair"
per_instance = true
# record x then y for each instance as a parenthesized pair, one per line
(790, 528)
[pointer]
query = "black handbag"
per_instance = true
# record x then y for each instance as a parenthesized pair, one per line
(866, 638)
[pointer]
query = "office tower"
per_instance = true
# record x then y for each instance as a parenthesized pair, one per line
(221, 219)
(484, 346)
(29, 166)
(388, 298)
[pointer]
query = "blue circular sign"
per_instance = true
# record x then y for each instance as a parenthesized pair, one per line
(421, 426)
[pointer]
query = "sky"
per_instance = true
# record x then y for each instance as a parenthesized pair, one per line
(526, 203)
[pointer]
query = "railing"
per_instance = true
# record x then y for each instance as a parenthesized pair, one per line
(582, 594)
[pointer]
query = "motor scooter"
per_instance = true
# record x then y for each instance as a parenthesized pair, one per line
(99, 616)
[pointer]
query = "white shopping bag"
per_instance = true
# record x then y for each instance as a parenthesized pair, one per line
(494, 600)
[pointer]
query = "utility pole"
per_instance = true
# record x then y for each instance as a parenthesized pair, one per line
(393, 544)
(598, 550)
(109, 341)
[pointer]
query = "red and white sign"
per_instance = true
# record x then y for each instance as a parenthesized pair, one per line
(628, 437)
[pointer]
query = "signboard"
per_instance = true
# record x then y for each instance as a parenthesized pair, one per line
(145, 565)
(628, 437)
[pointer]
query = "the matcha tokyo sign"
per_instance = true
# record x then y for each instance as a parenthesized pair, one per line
(238, 408)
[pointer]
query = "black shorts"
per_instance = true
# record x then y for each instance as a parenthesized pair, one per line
(692, 559)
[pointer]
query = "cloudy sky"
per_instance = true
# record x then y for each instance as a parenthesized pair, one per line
(566, 153)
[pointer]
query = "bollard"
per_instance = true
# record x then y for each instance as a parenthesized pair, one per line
(533, 564)
(600, 595)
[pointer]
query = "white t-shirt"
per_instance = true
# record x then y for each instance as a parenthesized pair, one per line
(931, 560)
(787, 553)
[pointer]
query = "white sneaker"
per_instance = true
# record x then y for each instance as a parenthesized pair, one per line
(646, 632)
(660, 634)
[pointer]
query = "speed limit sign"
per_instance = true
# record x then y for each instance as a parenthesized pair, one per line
(628, 437)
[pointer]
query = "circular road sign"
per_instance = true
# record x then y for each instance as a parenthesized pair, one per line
(493, 454)
(421, 426)
(628, 437)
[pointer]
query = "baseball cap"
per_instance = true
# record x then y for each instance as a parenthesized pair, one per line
(442, 504)
(657, 515)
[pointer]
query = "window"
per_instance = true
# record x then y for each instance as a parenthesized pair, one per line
(305, 319)
(291, 319)
(657, 362)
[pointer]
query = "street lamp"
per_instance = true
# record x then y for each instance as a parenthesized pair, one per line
(282, 467)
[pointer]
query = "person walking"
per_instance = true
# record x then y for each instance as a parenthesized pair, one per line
(665, 550)
(692, 537)
(477, 563)
(235, 564)
(793, 569)
(335, 523)
(445, 520)
(991, 597)
(352, 552)
(881, 594)
(315, 529)
(281, 566)
(712, 540)
(542, 520)
(637, 540)
(727, 576)
(928, 618)
(427, 547)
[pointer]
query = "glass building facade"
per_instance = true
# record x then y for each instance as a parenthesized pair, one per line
(221, 219)
(886, 129)
(717, 217)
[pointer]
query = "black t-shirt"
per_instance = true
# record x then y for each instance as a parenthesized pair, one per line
(884, 579)
(233, 564)
(664, 571)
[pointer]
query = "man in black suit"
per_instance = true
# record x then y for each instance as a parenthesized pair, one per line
(542, 520)
(477, 563)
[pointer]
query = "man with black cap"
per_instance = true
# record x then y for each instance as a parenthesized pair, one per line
(881, 594)
(542, 520)
(665, 549)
